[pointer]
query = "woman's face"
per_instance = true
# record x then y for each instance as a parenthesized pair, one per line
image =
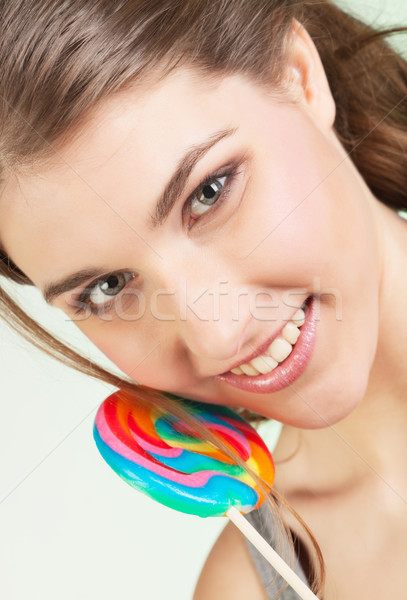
(286, 216)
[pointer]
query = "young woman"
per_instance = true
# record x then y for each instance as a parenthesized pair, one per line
(180, 178)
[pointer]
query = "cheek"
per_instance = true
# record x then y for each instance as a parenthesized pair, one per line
(310, 216)
(291, 237)
(140, 349)
(121, 341)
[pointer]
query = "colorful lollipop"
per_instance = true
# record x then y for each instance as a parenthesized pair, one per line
(159, 456)
(166, 459)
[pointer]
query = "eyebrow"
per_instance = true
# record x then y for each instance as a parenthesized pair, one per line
(162, 210)
(56, 288)
(176, 185)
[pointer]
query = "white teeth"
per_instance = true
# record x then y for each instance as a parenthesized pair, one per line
(237, 371)
(291, 332)
(280, 349)
(264, 364)
(249, 370)
(299, 317)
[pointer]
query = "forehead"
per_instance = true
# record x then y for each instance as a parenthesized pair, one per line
(104, 182)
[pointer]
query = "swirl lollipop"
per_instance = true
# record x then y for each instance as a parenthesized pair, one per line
(166, 459)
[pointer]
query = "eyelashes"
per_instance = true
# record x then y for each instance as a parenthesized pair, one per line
(206, 199)
(211, 192)
(103, 285)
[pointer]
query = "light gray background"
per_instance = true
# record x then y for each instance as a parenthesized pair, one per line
(70, 528)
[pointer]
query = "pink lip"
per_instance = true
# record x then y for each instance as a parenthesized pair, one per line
(289, 370)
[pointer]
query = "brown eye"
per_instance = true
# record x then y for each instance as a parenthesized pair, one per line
(207, 195)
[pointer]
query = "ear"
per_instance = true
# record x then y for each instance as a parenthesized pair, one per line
(306, 76)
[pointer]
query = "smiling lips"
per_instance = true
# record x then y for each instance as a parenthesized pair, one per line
(277, 351)
(285, 358)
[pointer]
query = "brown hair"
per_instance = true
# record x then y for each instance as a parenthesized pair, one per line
(58, 59)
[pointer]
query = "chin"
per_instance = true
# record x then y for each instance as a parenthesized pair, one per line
(331, 402)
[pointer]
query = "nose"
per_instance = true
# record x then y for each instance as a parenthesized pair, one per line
(211, 319)
(211, 324)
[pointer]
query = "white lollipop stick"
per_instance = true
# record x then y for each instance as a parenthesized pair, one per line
(270, 554)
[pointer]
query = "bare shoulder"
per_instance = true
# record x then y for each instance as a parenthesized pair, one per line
(229, 573)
